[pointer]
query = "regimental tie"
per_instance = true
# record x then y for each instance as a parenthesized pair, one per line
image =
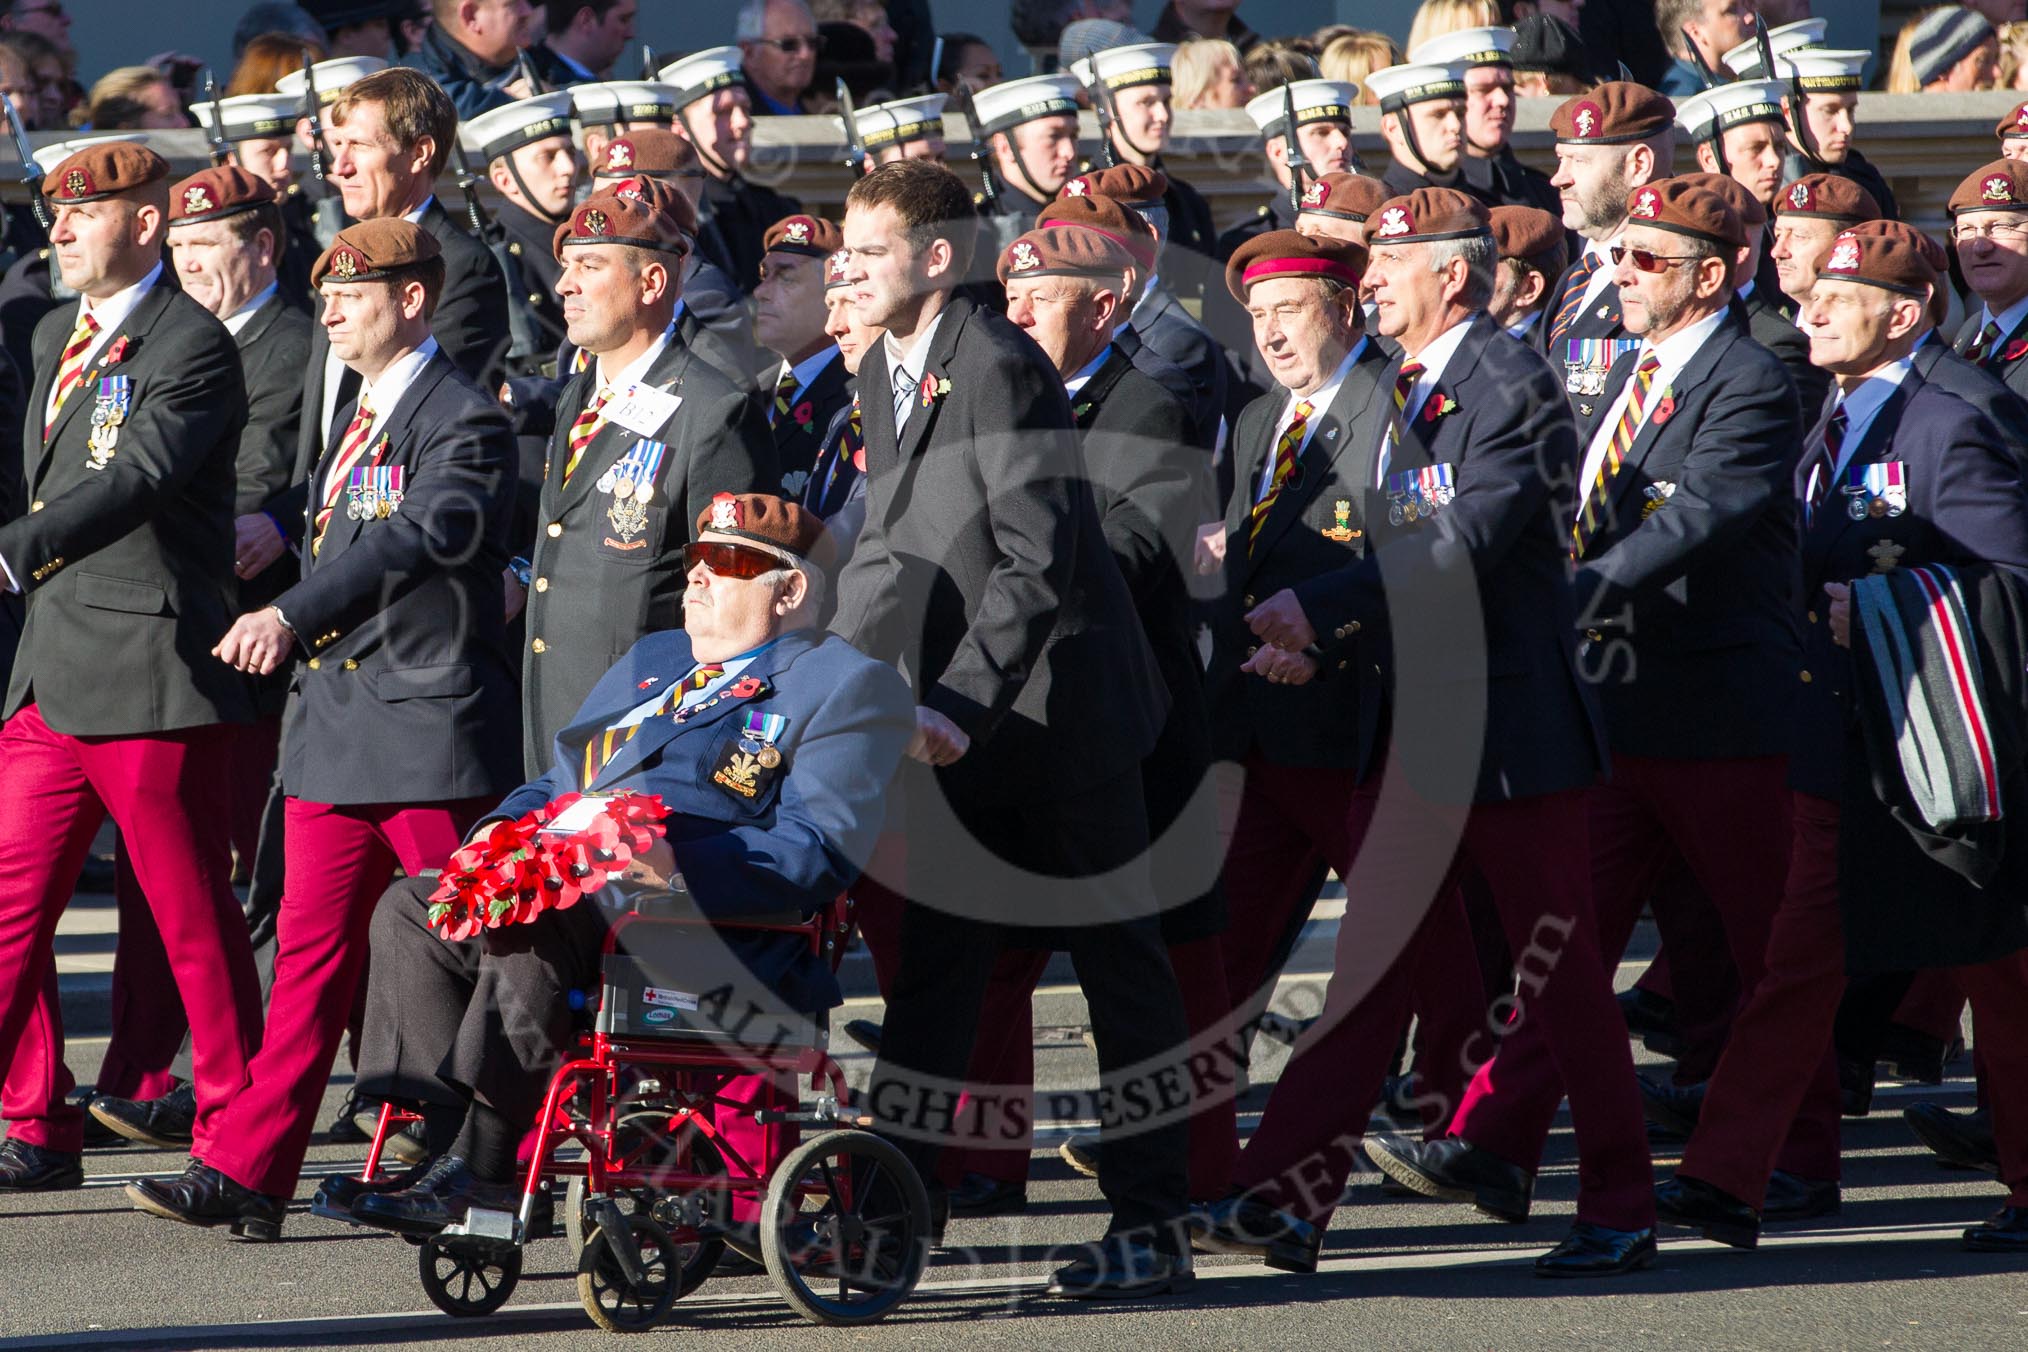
(785, 388)
(850, 445)
(1404, 384)
(1983, 343)
(1593, 514)
(70, 370)
(600, 750)
(1822, 477)
(904, 390)
(351, 447)
(1285, 465)
(1573, 295)
(585, 428)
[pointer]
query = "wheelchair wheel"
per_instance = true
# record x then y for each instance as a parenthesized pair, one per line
(644, 1140)
(616, 1304)
(466, 1281)
(845, 1230)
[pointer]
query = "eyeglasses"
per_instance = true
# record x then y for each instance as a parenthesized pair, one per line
(730, 560)
(1648, 262)
(1999, 234)
(790, 46)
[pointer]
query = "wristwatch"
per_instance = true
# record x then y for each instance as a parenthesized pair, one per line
(283, 620)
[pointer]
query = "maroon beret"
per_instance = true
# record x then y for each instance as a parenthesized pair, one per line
(1428, 214)
(651, 151)
(1348, 197)
(101, 171)
(375, 251)
(644, 212)
(1063, 251)
(1737, 195)
(1827, 197)
(215, 193)
(2014, 123)
(1886, 261)
(769, 520)
(1105, 216)
(1286, 253)
(2000, 186)
(800, 234)
(1618, 112)
(1932, 252)
(1533, 236)
(1134, 184)
(1685, 208)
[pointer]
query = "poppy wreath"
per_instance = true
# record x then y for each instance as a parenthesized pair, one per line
(515, 872)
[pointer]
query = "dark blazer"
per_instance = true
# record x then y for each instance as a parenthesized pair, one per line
(601, 584)
(1965, 506)
(2011, 371)
(1177, 382)
(1190, 241)
(733, 220)
(470, 322)
(723, 336)
(1490, 566)
(810, 826)
(983, 568)
(1166, 328)
(273, 347)
(1767, 323)
(1316, 724)
(529, 237)
(1687, 592)
(1600, 320)
(401, 619)
(131, 564)
(25, 297)
(2003, 407)
(798, 431)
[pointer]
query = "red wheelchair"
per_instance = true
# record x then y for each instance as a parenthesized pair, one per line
(668, 1162)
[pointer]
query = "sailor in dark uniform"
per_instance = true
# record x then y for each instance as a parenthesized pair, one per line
(1489, 166)
(532, 163)
(1737, 129)
(712, 110)
(1422, 120)
(904, 129)
(260, 133)
(1030, 127)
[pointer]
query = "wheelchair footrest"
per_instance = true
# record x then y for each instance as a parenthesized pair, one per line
(483, 1230)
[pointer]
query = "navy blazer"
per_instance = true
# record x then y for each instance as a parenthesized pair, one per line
(1937, 364)
(1686, 592)
(1475, 599)
(1965, 505)
(1600, 320)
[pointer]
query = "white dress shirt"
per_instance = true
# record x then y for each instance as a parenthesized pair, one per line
(385, 393)
(635, 371)
(1434, 359)
(110, 313)
(1672, 354)
(1084, 373)
(1860, 407)
(1318, 399)
(911, 363)
(2008, 319)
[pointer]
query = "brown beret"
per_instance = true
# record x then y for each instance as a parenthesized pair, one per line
(215, 193)
(800, 234)
(1827, 197)
(644, 212)
(1105, 216)
(2000, 186)
(651, 151)
(101, 171)
(1285, 253)
(1347, 197)
(1884, 261)
(1618, 112)
(1684, 208)
(1752, 215)
(1134, 184)
(1932, 252)
(1533, 236)
(835, 269)
(768, 520)
(2014, 123)
(1426, 215)
(1063, 251)
(374, 251)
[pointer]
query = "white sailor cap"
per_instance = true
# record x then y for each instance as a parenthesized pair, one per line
(49, 156)
(333, 77)
(616, 101)
(1314, 101)
(1003, 106)
(1143, 63)
(702, 73)
(1713, 111)
(897, 123)
(250, 117)
(1466, 48)
(1823, 71)
(1802, 35)
(1399, 86)
(493, 134)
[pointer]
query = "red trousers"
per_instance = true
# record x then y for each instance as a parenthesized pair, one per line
(1780, 1060)
(1534, 855)
(338, 862)
(158, 789)
(1730, 820)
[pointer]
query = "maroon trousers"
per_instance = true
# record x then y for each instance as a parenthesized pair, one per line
(1535, 858)
(158, 789)
(338, 862)
(1730, 820)
(1780, 1060)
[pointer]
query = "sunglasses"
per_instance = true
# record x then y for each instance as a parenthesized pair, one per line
(1648, 262)
(791, 46)
(729, 560)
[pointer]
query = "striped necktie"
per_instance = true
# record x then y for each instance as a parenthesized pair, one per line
(1983, 343)
(1404, 382)
(1285, 465)
(1834, 442)
(1573, 295)
(904, 390)
(600, 750)
(70, 370)
(351, 447)
(579, 360)
(585, 428)
(849, 446)
(1594, 510)
(784, 388)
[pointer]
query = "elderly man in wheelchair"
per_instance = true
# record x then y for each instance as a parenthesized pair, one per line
(772, 745)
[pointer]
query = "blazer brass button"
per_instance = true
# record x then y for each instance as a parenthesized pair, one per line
(1813, 617)
(1352, 627)
(351, 665)
(1594, 635)
(35, 506)
(538, 646)
(555, 529)
(315, 663)
(1342, 665)
(542, 584)
(1246, 600)
(1806, 678)
(1254, 649)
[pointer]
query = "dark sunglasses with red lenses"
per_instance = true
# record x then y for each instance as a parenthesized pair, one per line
(1648, 262)
(729, 560)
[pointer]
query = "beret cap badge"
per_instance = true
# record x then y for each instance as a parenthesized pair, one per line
(1077, 187)
(1800, 196)
(1996, 189)
(1646, 203)
(595, 222)
(1394, 221)
(1023, 257)
(345, 264)
(196, 199)
(725, 513)
(619, 155)
(1586, 119)
(77, 183)
(1844, 257)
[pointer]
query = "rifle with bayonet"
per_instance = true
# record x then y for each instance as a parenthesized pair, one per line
(524, 343)
(1102, 105)
(221, 149)
(855, 148)
(327, 213)
(1799, 107)
(526, 66)
(31, 175)
(962, 99)
(1711, 81)
(1292, 143)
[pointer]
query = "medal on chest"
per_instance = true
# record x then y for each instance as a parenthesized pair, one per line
(1876, 490)
(631, 484)
(1417, 494)
(374, 492)
(109, 413)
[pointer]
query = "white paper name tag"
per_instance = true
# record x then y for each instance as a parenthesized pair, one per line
(578, 815)
(643, 410)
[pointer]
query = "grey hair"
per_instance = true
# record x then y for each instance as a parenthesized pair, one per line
(1477, 251)
(813, 584)
(752, 23)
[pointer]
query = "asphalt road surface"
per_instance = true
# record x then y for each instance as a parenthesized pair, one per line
(82, 1269)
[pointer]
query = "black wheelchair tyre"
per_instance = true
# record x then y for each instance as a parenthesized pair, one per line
(845, 1260)
(616, 1304)
(467, 1280)
(643, 1137)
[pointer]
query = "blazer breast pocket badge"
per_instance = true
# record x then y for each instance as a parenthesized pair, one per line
(1876, 490)
(109, 413)
(631, 484)
(374, 492)
(1418, 494)
(750, 762)
(1654, 495)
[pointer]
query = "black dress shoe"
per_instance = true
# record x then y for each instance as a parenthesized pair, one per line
(1245, 1225)
(341, 1191)
(203, 1196)
(1455, 1170)
(2005, 1231)
(1914, 1055)
(1118, 1268)
(97, 1135)
(865, 1032)
(1791, 1197)
(164, 1123)
(1855, 1087)
(978, 1195)
(30, 1168)
(1958, 1140)
(1595, 1251)
(439, 1197)
(344, 1128)
(1674, 1107)
(1646, 1012)
(1081, 1154)
(1695, 1204)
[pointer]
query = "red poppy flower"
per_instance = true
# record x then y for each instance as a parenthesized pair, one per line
(746, 687)
(1664, 410)
(802, 413)
(1438, 405)
(116, 351)
(2015, 350)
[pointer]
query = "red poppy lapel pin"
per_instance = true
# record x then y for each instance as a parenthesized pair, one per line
(2015, 350)
(119, 350)
(1439, 404)
(746, 687)
(803, 413)
(1665, 408)
(934, 389)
